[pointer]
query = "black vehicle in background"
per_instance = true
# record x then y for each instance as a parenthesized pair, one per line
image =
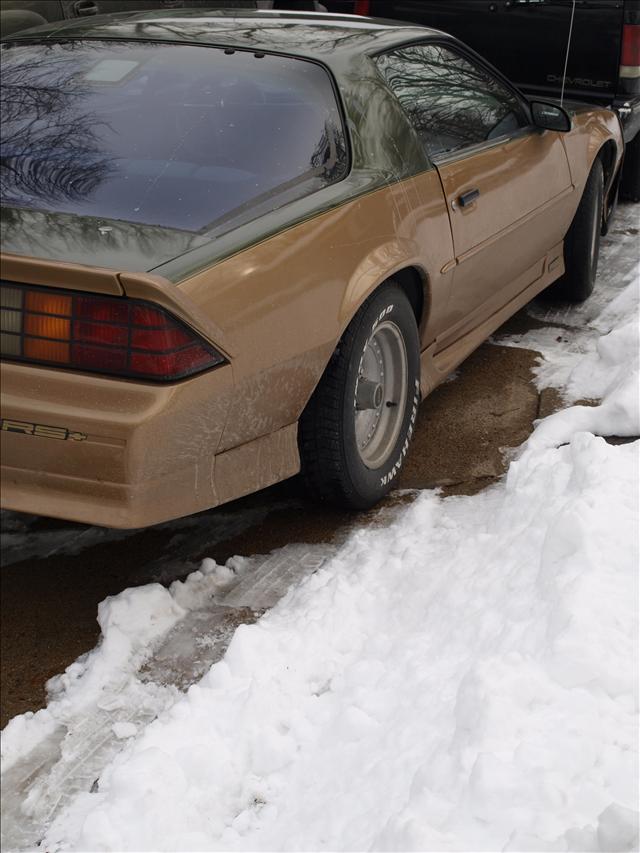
(16, 15)
(528, 41)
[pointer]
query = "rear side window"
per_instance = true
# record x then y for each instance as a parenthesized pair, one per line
(452, 102)
(172, 135)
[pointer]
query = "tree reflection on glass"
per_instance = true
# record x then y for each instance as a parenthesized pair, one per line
(329, 158)
(50, 146)
(164, 134)
(452, 103)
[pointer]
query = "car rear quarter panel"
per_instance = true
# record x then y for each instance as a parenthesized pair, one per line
(592, 128)
(276, 310)
(284, 303)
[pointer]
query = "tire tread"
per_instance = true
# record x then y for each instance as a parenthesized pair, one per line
(576, 284)
(320, 435)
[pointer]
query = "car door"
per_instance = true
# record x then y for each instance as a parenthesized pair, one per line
(507, 184)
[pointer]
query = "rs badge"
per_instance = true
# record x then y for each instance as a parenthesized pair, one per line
(41, 430)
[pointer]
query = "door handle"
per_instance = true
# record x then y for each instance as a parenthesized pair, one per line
(468, 198)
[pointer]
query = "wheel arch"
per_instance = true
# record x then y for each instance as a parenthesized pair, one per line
(595, 136)
(409, 274)
(415, 283)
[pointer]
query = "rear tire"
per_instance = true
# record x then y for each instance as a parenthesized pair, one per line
(355, 431)
(582, 243)
(630, 181)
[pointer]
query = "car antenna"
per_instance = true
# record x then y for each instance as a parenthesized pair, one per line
(566, 58)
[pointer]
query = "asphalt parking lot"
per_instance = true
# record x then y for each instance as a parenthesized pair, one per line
(55, 573)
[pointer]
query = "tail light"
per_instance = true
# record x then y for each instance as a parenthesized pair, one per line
(630, 53)
(362, 7)
(99, 334)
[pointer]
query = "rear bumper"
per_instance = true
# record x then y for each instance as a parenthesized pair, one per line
(97, 502)
(106, 451)
(126, 454)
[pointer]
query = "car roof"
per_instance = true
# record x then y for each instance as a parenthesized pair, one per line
(306, 34)
(342, 43)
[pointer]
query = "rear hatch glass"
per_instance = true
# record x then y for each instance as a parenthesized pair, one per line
(172, 135)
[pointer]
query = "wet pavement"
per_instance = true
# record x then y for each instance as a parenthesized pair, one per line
(55, 573)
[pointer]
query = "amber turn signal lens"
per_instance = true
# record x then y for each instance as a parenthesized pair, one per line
(48, 303)
(46, 350)
(47, 327)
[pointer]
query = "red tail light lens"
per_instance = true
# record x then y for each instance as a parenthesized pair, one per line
(630, 54)
(101, 334)
(362, 7)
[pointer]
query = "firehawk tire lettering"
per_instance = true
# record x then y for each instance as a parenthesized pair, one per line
(405, 447)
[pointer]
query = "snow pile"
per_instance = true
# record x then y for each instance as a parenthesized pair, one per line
(599, 362)
(462, 680)
(615, 356)
(129, 622)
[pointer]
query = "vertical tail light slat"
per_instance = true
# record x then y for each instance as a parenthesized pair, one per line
(44, 326)
(103, 334)
(10, 297)
(47, 303)
(37, 349)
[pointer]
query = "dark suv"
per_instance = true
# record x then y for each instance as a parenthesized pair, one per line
(528, 40)
(16, 15)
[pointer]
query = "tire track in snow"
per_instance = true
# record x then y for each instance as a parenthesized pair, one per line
(69, 760)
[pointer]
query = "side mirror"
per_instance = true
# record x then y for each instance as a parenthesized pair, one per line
(550, 116)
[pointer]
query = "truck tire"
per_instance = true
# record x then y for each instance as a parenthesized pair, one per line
(582, 243)
(630, 182)
(355, 431)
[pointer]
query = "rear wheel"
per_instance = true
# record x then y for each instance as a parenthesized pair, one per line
(630, 181)
(355, 432)
(582, 243)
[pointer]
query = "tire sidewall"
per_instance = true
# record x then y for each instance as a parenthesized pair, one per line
(630, 183)
(581, 265)
(371, 484)
(596, 214)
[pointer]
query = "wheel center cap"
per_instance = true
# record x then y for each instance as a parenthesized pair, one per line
(368, 395)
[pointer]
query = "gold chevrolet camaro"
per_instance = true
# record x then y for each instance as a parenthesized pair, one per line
(236, 247)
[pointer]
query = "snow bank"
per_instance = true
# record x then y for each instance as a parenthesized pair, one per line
(130, 623)
(610, 373)
(462, 680)
(594, 360)
(597, 362)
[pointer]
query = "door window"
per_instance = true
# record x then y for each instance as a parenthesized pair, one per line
(452, 102)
